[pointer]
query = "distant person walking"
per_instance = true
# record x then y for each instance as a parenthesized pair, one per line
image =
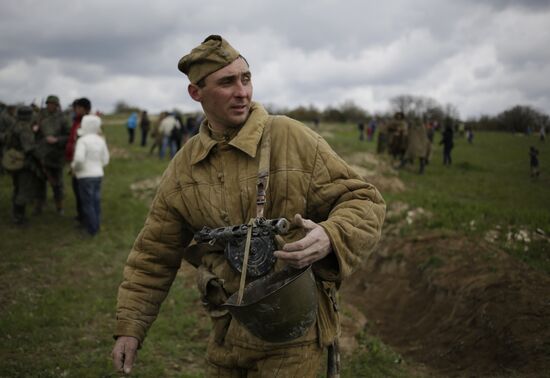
(91, 155)
(7, 119)
(430, 130)
(469, 134)
(447, 141)
(168, 129)
(542, 133)
(131, 125)
(361, 128)
(155, 133)
(417, 145)
(371, 129)
(316, 123)
(144, 125)
(398, 134)
(382, 139)
(20, 161)
(81, 107)
(461, 130)
(534, 162)
(52, 134)
(429, 127)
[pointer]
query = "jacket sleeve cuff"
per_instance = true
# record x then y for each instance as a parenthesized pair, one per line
(125, 328)
(328, 268)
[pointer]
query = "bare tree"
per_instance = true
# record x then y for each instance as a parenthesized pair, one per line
(451, 111)
(122, 107)
(402, 103)
(422, 107)
(352, 112)
(519, 119)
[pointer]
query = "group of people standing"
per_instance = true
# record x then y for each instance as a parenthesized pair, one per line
(409, 139)
(35, 146)
(370, 131)
(169, 132)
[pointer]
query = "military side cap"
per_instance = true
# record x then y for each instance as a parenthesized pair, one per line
(211, 55)
(52, 99)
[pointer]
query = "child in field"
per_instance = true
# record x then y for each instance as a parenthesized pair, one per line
(534, 157)
(91, 155)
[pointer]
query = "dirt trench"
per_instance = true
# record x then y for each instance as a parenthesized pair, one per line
(459, 307)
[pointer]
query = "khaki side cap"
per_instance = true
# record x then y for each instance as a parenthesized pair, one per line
(211, 55)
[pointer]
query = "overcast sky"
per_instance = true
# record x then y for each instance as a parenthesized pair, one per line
(483, 56)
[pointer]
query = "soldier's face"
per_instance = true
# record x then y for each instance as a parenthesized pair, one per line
(226, 96)
(51, 106)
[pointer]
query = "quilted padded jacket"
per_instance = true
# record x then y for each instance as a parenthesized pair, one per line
(212, 183)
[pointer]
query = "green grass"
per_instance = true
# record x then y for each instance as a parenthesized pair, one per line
(373, 359)
(58, 290)
(488, 185)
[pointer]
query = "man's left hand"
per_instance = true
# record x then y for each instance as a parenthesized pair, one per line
(312, 247)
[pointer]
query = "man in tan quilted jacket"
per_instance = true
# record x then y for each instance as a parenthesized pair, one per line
(211, 182)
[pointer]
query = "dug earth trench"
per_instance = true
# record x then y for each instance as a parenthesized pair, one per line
(457, 306)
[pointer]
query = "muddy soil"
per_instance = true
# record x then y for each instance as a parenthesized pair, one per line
(457, 306)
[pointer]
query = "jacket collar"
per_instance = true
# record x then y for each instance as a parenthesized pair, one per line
(246, 140)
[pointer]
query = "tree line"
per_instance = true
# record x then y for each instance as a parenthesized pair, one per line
(519, 118)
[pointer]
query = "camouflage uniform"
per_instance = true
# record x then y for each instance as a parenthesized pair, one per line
(25, 180)
(52, 154)
(6, 122)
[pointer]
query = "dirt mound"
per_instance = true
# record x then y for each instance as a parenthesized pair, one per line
(460, 306)
(146, 189)
(377, 171)
(118, 152)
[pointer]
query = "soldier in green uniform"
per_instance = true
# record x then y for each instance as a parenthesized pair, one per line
(20, 143)
(397, 139)
(53, 133)
(382, 139)
(417, 144)
(215, 181)
(7, 119)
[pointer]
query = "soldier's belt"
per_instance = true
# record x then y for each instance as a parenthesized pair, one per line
(262, 243)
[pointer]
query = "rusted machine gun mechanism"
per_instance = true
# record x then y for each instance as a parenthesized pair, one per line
(262, 243)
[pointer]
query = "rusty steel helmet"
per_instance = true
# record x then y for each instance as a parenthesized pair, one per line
(278, 307)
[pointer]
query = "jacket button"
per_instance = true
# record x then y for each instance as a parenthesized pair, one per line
(220, 176)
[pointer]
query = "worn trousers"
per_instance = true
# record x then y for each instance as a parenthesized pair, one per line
(243, 355)
(90, 197)
(54, 177)
(79, 216)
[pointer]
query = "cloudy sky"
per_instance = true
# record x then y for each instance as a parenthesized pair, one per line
(482, 56)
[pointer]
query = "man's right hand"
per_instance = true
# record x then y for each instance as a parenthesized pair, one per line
(124, 353)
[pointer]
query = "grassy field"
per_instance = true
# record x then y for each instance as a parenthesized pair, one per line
(58, 290)
(487, 187)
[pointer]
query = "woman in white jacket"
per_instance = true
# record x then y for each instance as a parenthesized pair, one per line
(91, 155)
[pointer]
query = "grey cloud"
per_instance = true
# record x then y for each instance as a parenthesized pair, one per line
(301, 52)
(528, 4)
